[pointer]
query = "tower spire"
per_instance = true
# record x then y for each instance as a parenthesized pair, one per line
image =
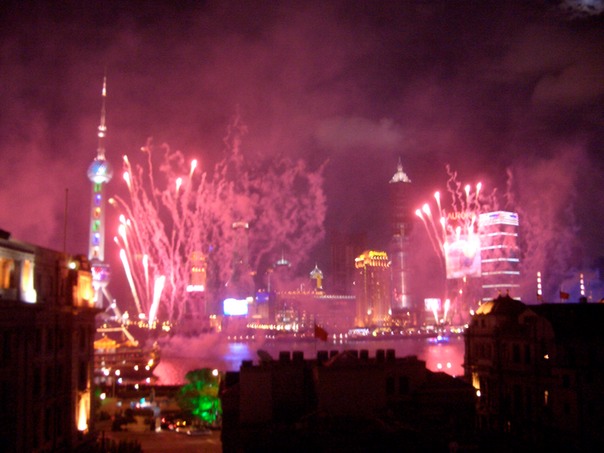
(400, 175)
(102, 129)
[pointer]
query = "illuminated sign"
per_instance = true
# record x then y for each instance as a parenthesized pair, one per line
(195, 288)
(235, 307)
(262, 297)
(431, 304)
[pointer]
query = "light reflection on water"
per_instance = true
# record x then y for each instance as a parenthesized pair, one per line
(185, 354)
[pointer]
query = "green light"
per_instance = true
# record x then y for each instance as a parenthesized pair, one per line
(200, 395)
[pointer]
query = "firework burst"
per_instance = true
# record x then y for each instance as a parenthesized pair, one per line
(168, 227)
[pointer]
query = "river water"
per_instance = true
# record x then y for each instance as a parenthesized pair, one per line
(180, 355)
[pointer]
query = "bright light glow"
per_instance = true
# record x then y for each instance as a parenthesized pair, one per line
(82, 411)
(195, 288)
(157, 290)
(235, 307)
(433, 305)
(128, 271)
(193, 167)
(127, 178)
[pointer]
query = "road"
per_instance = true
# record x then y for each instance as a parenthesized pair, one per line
(170, 441)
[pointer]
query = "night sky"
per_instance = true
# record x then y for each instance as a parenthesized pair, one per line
(508, 93)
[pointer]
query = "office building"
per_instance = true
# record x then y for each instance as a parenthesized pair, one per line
(372, 288)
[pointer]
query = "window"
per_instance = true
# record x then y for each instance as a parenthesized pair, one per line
(50, 343)
(83, 377)
(82, 339)
(6, 271)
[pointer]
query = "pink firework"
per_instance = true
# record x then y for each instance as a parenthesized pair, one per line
(168, 228)
(454, 232)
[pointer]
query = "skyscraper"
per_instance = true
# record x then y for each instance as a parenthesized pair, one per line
(401, 221)
(99, 173)
(344, 248)
(500, 255)
(372, 289)
(240, 284)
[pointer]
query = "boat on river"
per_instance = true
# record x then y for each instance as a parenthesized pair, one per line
(121, 358)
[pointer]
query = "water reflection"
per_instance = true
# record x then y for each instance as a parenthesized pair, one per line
(185, 354)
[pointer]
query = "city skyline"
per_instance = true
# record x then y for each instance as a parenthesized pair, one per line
(504, 94)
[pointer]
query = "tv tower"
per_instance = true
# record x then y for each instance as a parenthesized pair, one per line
(99, 173)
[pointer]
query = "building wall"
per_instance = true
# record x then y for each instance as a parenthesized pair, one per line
(303, 404)
(46, 352)
(538, 382)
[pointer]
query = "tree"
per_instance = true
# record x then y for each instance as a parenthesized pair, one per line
(200, 394)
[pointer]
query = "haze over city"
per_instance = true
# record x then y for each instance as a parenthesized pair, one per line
(508, 94)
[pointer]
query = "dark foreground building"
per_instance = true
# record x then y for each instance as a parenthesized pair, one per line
(344, 401)
(46, 349)
(540, 373)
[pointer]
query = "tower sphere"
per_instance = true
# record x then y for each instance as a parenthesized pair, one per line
(100, 171)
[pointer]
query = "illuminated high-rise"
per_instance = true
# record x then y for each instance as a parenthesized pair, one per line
(500, 254)
(402, 216)
(99, 173)
(372, 286)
